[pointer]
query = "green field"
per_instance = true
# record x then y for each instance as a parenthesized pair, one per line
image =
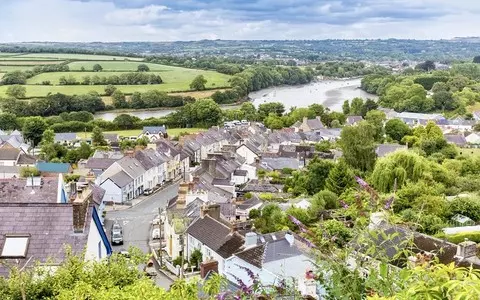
(14, 68)
(7, 54)
(79, 56)
(136, 132)
(29, 62)
(21, 57)
(54, 77)
(117, 66)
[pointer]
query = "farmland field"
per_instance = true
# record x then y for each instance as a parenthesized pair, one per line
(21, 57)
(117, 66)
(79, 56)
(7, 54)
(29, 62)
(136, 132)
(14, 68)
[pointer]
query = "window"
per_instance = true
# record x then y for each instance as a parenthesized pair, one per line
(15, 246)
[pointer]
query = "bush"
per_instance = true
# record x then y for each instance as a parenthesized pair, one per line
(468, 207)
(460, 237)
(29, 171)
(248, 195)
(177, 261)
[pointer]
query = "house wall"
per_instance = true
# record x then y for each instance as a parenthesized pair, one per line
(5, 175)
(232, 269)
(252, 171)
(172, 239)
(237, 180)
(96, 249)
(112, 192)
(110, 171)
(192, 196)
(207, 253)
(246, 153)
(8, 162)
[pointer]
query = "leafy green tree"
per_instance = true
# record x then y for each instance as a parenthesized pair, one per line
(249, 111)
(356, 106)
(396, 129)
(340, 178)
(15, 77)
(110, 89)
(265, 109)
(26, 172)
(273, 121)
(125, 121)
(119, 100)
(346, 107)
(8, 121)
(358, 145)
(444, 100)
(427, 66)
(318, 109)
(97, 68)
(143, 68)
(33, 128)
(137, 101)
(198, 83)
(376, 118)
(97, 137)
(17, 91)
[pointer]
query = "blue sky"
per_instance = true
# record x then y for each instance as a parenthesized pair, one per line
(170, 20)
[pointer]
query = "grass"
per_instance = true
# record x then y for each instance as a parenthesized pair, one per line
(54, 77)
(136, 132)
(119, 66)
(474, 107)
(470, 151)
(29, 62)
(14, 68)
(7, 54)
(21, 57)
(1, 75)
(80, 56)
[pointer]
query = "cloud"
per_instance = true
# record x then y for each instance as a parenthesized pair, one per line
(168, 20)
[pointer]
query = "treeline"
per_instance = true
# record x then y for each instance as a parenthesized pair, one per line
(225, 65)
(132, 78)
(342, 69)
(260, 77)
(56, 49)
(20, 77)
(426, 91)
(55, 104)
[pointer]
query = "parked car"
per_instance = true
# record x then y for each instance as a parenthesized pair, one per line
(156, 233)
(244, 122)
(117, 234)
(147, 191)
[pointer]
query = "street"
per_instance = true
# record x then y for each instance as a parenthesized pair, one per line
(136, 223)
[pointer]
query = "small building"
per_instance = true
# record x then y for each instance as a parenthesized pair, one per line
(385, 149)
(308, 125)
(66, 138)
(153, 133)
(354, 120)
(473, 138)
(456, 139)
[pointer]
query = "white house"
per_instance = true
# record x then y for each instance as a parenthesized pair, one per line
(123, 180)
(154, 164)
(153, 133)
(473, 138)
(249, 152)
(213, 238)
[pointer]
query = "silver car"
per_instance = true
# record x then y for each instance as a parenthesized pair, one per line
(117, 234)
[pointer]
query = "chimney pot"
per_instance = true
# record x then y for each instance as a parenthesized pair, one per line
(205, 267)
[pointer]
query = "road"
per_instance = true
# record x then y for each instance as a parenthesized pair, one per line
(136, 223)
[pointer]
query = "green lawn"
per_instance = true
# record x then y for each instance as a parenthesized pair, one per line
(119, 66)
(21, 57)
(79, 56)
(7, 54)
(15, 68)
(54, 77)
(29, 62)
(136, 132)
(469, 151)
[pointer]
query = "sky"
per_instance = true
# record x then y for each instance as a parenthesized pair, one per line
(174, 20)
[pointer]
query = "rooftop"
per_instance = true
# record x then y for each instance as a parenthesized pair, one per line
(49, 167)
(17, 191)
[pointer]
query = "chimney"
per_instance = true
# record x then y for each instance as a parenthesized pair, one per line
(250, 239)
(182, 195)
(130, 153)
(466, 249)
(213, 210)
(212, 166)
(208, 266)
(80, 207)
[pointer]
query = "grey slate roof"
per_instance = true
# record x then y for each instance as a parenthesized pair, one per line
(121, 179)
(26, 159)
(16, 191)
(154, 129)
(131, 166)
(240, 173)
(279, 163)
(65, 136)
(353, 119)
(50, 227)
(108, 154)
(111, 137)
(209, 231)
(9, 153)
(456, 139)
(384, 149)
(315, 124)
(99, 163)
(253, 255)
(149, 158)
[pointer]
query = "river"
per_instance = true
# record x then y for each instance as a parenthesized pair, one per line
(329, 93)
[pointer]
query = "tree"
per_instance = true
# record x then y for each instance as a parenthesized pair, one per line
(110, 89)
(249, 111)
(143, 68)
(356, 106)
(198, 83)
(266, 109)
(97, 68)
(444, 100)
(396, 129)
(26, 172)
(340, 178)
(97, 137)
(376, 119)
(358, 145)
(119, 100)
(48, 149)
(17, 91)
(8, 121)
(427, 66)
(125, 121)
(33, 128)
(346, 107)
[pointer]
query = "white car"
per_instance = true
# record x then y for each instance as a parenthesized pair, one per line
(156, 233)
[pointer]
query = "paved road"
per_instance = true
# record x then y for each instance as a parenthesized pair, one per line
(136, 223)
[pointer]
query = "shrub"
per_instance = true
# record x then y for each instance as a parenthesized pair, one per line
(29, 171)
(248, 195)
(460, 237)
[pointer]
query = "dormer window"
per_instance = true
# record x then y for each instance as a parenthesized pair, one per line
(15, 246)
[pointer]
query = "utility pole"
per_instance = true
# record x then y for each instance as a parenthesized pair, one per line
(160, 229)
